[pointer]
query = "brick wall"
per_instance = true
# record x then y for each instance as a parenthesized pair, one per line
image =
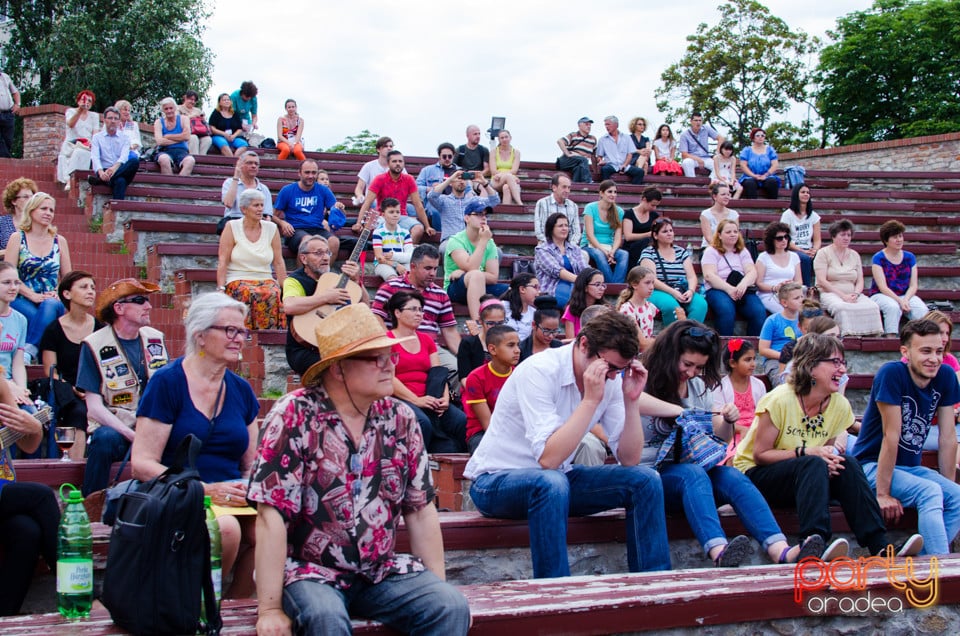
(44, 129)
(934, 153)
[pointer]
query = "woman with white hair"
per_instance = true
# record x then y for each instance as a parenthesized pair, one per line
(248, 247)
(197, 394)
(172, 133)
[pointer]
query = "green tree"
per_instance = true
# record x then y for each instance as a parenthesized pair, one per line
(892, 72)
(138, 50)
(738, 72)
(788, 137)
(363, 143)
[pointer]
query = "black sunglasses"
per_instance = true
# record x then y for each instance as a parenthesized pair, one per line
(136, 300)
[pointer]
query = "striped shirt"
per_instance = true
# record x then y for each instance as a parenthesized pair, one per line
(437, 310)
(580, 145)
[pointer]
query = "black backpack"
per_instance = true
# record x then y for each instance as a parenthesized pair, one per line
(159, 556)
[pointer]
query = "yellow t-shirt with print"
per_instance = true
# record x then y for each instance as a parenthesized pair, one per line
(784, 408)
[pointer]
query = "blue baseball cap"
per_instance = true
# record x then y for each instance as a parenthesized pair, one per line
(476, 206)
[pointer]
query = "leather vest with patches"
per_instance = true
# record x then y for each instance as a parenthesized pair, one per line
(119, 383)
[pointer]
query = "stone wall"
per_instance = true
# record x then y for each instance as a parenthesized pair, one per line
(43, 131)
(934, 153)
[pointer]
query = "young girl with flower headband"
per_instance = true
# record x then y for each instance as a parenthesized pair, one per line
(739, 386)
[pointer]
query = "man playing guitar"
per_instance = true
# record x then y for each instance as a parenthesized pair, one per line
(300, 296)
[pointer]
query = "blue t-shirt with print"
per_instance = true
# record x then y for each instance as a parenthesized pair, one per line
(893, 385)
(304, 210)
(779, 330)
(12, 337)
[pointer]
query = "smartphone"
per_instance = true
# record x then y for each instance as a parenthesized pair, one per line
(467, 175)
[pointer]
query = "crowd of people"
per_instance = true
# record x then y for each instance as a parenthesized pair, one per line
(566, 404)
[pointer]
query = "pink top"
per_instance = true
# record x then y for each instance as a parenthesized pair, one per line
(575, 320)
(413, 367)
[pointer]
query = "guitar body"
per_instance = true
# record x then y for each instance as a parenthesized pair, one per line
(304, 324)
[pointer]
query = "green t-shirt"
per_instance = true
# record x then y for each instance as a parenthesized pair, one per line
(459, 241)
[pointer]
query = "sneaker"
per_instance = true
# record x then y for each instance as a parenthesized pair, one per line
(735, 552)
(837, 549)
(910, 547)
(812, 546)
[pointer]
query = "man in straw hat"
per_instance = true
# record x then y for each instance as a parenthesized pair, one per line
(339, 462)
(115, 364)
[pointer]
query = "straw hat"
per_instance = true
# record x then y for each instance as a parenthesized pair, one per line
(348, 331)
(121, 289)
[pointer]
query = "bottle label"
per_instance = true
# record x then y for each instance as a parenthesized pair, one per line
(74, 576)
(217, 575)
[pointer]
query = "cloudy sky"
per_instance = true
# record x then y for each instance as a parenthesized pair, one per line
(421, 71)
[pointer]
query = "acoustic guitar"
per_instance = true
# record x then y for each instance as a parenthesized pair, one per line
(9, 437)
(304, 325)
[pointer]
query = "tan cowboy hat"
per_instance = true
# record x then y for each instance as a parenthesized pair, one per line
(121, 289)
(348, 331)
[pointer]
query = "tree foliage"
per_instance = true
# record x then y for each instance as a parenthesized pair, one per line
(788, 137)
(363, 143)
(893, 72)
(739, 72)
(138, 50)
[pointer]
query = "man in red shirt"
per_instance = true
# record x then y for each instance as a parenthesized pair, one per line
(402, 187)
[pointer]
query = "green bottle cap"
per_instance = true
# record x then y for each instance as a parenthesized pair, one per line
(206, 501)
(73, 495)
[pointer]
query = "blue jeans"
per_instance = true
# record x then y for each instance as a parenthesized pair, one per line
(38, 317)
(936, 498)
(806, 269)
(696, 309)
(106, 446)
(636, 174)
(457, 291)
(725, 311)
(221, 142)
(123, 177)
(417, 603)
(690, 489)
(548, 497)
(599, 259)
(562, 293)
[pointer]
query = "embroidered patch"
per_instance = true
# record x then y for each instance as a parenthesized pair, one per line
(108, 355)
(122, 369)
(121, 398)
(155, 349)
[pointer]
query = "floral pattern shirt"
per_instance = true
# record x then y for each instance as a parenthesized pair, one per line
(643, 315)
(341, 504)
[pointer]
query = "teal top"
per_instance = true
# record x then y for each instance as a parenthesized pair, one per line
(601, 229)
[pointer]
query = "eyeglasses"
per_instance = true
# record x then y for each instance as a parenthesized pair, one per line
(597, 285)
(494, 323)
(782, 237)
(23, 196)
(700, 332)
(417, 310)
(446, 156)
(533, 285)
(232, 332)
(136, 300)
(613, 368)
(551, 332)
(381, 360)
(480, 213)
(318, 253)
(839, 363)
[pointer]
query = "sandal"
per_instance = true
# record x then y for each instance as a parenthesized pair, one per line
(812, 546)
(734, 553)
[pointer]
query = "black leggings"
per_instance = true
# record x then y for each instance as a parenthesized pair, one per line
(29, 517)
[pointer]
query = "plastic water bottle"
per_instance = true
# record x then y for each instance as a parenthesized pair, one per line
(74, 558)
(216, 568)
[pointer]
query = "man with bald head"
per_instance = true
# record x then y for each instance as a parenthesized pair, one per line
(471, 156)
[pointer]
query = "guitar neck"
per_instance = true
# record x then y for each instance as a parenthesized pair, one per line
(355, 255)
(9, 437)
